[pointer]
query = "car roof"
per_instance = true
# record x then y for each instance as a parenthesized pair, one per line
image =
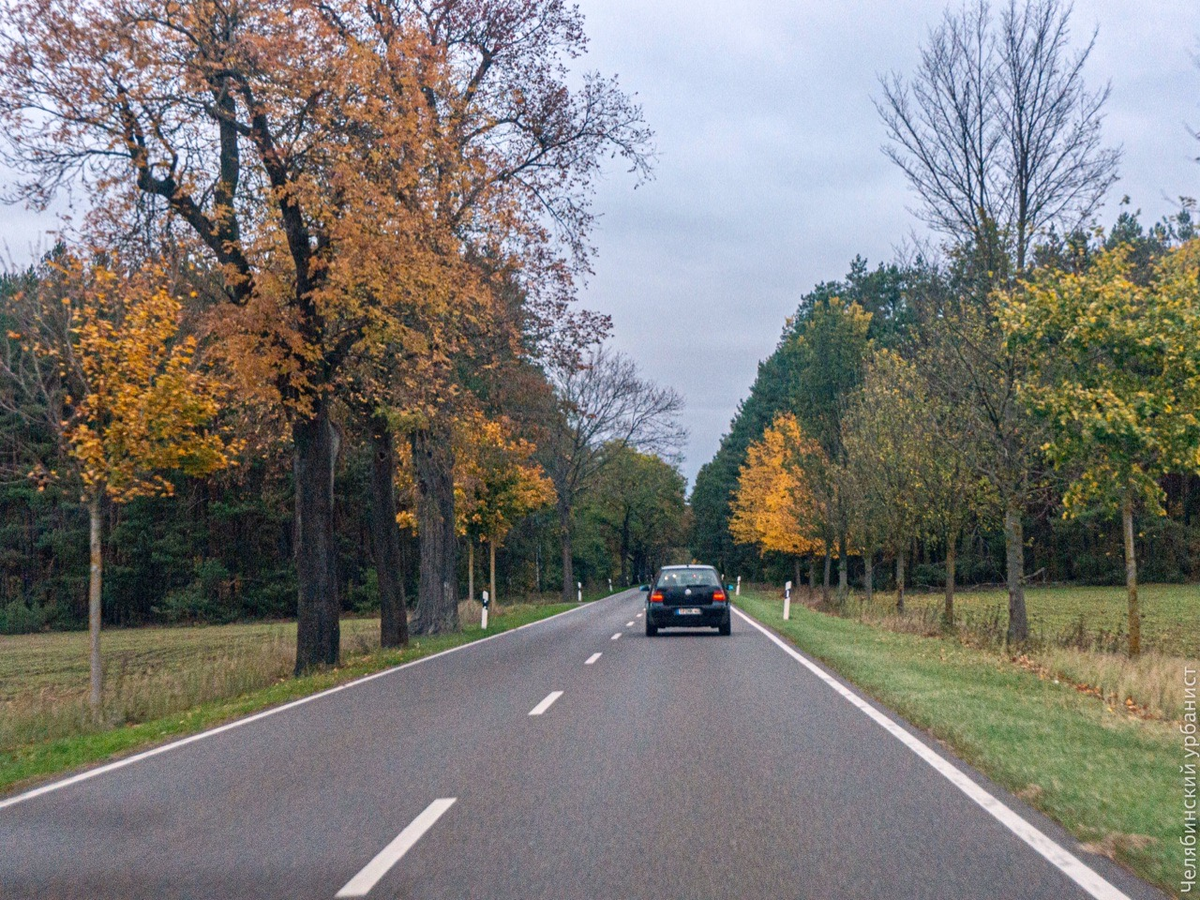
(689, 566)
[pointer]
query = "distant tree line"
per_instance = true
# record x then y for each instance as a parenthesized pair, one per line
(1017, 402)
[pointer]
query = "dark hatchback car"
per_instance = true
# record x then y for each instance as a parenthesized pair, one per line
(687, 597)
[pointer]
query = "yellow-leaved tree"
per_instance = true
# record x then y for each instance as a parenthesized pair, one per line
(1116, 376)
(501, 484)
(775, 506)
(131, 404)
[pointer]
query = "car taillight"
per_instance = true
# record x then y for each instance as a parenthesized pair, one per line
(718, 596)
(656, 597)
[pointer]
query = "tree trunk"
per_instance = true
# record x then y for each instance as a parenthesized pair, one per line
(1014, 541)
(951, 562)
(492, 573)
(843, 571)
(95, 573)
(1135, 620)
(869, 574)
(437, 591)
(625, 549)
(385, 538)
(812, 574)
(797, 574)
(828, 572)
(470, 569)
(318, 611)
(568, 569)
(899, 581)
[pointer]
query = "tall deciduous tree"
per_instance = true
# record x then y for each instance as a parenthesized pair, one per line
(639, 505)
(997, 129)
(602, 404)
(1117, 377)
(887, 458)
(121, 391)
(518, 146)
(956, 495)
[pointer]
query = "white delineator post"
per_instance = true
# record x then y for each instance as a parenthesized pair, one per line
(787, 600)
(737, 591)
(579, 592)
(610, 585)
(483, 622)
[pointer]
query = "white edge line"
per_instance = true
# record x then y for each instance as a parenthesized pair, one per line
(229, 726)
(546, 703)
(591, 659)
(360, 885)
(1066, 862)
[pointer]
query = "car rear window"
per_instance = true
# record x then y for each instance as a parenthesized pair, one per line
(689, 578)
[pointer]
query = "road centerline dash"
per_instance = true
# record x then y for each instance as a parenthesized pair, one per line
(546, 703)
(617, 635)
(628, 624)
(360, 885)
(591, 659)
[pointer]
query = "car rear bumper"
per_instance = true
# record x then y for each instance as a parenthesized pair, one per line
(710, 616)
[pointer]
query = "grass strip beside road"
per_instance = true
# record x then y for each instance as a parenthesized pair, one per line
(24, 766)
(1109, 778)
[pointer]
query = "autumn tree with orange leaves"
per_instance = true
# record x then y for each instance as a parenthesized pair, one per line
(775, 506)
(122, 393)
(360, 172)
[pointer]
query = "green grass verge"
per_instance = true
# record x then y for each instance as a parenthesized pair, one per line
(1111, 779)
(24, 765)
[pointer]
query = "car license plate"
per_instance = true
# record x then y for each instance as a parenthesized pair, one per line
(687, 612)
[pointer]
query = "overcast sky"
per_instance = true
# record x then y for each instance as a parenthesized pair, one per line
(770, 176)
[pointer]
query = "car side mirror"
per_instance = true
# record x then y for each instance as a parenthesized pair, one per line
(644, 587)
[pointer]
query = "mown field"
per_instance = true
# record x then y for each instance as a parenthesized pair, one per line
(1108, 773)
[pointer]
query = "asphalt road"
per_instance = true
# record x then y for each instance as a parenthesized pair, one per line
(683, 766)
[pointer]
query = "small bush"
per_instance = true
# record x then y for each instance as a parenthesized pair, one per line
(364, 596)
(18, 618)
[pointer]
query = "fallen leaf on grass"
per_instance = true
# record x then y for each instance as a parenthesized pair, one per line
(1030, 792)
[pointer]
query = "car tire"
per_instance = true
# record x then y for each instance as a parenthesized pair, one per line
(725, 628)
(651, 630)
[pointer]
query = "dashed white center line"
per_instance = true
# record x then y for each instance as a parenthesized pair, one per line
(546, 703)
(617, 635)
(360, 885)
(591, 659)
(638, 616)
(628, 624)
